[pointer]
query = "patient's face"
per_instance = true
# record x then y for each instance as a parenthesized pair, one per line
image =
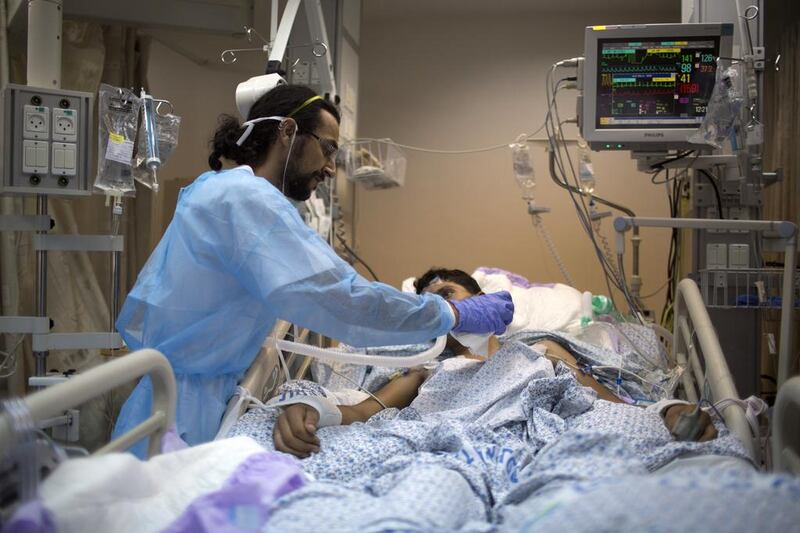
(448, 290)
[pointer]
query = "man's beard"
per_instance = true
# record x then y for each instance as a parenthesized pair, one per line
(297, 185)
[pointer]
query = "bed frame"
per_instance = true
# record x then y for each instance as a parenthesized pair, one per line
(53, 401)
(695, 347)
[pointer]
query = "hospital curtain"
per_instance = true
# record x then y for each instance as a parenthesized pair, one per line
(782, 109)
(782, 121)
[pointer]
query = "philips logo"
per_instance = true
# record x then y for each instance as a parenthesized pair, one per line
(654, 134)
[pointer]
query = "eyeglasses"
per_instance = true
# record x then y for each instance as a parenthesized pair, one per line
(329, 148)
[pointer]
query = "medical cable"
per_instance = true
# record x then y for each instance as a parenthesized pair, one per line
(713, 181)
(621, 370)
(556, 138)
(11, 356)
(324, 354)
(651, 294)
(356, 257)
(451, 152)
(587, 369)
(555, 159)
(359, 387)
(286, 163)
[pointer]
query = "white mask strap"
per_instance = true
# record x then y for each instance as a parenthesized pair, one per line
(250, 124)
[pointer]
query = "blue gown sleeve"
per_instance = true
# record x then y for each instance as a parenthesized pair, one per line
(263, 242)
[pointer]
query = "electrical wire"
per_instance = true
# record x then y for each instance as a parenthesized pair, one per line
(713, 182)
(661, 288)
(450, 152)
(359, 387)
(357, 258)
(11, 357)
(558, 165)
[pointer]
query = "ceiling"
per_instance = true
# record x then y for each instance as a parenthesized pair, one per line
(393, 9)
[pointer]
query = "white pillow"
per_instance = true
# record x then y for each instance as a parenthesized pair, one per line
(550, 307)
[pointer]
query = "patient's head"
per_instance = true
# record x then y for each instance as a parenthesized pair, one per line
(452, 285)
(449, 284)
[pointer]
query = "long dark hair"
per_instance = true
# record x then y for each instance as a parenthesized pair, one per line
(280, 101)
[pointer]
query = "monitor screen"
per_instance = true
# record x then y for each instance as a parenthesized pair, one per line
(654, 82)
(646, 87)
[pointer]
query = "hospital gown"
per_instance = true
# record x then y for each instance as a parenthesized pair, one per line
(495, 434)
(236, 257)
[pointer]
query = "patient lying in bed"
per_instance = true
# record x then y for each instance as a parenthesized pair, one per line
(472, 442)
(295, 430)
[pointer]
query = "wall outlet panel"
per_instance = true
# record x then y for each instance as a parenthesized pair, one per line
(46, 141)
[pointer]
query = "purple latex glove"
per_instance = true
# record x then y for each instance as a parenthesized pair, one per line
(485, 313)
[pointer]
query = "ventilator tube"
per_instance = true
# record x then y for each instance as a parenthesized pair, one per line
(360, 359)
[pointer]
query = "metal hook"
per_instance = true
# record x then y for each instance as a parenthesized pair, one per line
(162, 102)
(250, 31)
(754, 14)
(321, 53)
(229, 56)
(318, 48)
(777, 62)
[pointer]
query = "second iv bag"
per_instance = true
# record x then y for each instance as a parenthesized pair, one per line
(523, 166)
(585, 168)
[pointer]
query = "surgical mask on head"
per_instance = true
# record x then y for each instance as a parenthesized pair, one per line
(249, 125)
(294, 184)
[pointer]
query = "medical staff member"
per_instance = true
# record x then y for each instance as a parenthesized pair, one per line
(237, 256)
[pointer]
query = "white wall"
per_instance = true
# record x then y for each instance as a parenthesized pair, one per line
(475, 77)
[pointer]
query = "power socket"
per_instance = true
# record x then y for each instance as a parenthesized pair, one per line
(65, 125)
(36, 123)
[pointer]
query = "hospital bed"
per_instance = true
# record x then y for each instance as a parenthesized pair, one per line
(694, 344)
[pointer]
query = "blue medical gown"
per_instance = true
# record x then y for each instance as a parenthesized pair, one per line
(236, 257)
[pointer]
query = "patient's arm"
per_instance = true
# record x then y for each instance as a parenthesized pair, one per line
(555, 353)
(399, 392)
(295, 431)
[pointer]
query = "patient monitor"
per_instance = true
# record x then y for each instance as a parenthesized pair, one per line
(645, 87)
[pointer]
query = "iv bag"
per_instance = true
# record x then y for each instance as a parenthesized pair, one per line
(724, 107)
(585, 168)
(523, 166)
(118, 116)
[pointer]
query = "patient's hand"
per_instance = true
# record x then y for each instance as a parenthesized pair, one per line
(674, 411)
(295, 431)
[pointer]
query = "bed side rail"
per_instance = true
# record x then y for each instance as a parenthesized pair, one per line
(53, 401)
(704, 361)
(786, 428)
(263, 377)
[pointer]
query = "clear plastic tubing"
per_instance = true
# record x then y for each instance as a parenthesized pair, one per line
(324, 354)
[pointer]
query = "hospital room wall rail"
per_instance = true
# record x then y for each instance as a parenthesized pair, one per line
(704, 361)
(53, 401)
